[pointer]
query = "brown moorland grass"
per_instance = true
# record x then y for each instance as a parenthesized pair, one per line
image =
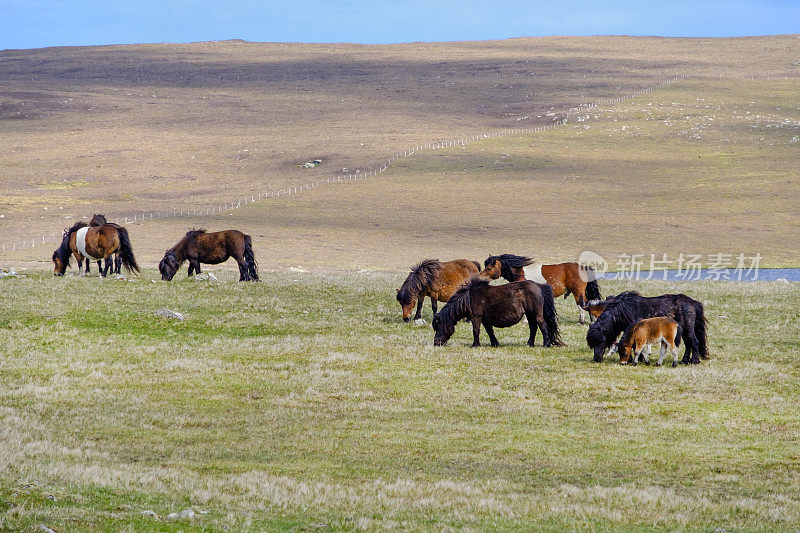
(700, 167)
(123, 128)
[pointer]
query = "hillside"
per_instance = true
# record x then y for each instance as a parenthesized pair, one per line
(121, 129)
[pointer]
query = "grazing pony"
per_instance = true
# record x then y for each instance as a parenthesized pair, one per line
(501, 306)
(94, 243)
(210, 248)
(630, 307)
(647, 332)
(100, 220)
(564, 278)
(433, 279)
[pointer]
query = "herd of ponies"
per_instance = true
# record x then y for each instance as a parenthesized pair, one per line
(462, 285)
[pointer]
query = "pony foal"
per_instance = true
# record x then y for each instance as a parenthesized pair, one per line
(649, 331)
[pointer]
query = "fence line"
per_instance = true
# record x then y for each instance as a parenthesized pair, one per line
(40, 240)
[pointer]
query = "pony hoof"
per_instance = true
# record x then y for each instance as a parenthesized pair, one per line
(674, 364)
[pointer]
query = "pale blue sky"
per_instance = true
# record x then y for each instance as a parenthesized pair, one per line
(39, 23)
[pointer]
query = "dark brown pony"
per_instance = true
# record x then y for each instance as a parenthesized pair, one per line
(94, 243)
(433, 279)
(211, 248)
(500, 306)
(564, 278)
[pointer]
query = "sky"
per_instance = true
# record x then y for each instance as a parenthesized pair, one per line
(41, 23)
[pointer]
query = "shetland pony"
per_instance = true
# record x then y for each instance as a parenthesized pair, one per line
(647, 332)
(197, 247)
(100, 220)
(501, 306)
(564, 278)
(630, 307)
(433, 279)
(94, 243)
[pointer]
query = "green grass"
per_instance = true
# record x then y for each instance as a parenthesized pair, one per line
(305, 402)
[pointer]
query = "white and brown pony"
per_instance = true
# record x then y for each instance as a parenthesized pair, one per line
(563, 278)
(649, 331)
(94, 243)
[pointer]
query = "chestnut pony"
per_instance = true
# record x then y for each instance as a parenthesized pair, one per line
(94, 243)
(433, 279)
(564, 278)
(197, 247)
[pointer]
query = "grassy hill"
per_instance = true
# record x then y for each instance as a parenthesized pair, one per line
(121, 129)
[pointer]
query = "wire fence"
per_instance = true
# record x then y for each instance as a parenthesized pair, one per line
(141, 216)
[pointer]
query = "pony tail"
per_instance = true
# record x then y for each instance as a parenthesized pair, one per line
(550, 314)
(126, 250)
(592, 287)
(700, 330)
(477, 265)
(250, 259)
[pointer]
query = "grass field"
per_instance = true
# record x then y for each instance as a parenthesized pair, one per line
(304, 402)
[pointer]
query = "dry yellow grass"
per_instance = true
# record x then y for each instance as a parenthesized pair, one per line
(122, 128)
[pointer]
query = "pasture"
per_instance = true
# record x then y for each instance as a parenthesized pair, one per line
(304, 402)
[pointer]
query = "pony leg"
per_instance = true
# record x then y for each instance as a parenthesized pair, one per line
(100, 268)
(117, 263)
(107, 267)
(547, 342)
(434, 305)
(636, 356)
(580, 302)
(690, 356)
(532, 325)
(492, 339)
(244, 274)
(476, 332)
(674, 350)
(662, 353)
(646, 356)
(418, 314)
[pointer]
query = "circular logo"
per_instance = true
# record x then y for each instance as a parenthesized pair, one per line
(593, 266)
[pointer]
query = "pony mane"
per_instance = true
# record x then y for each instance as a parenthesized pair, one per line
(617, 315)
(459, 304)
(421, 277)
(507, 262)
(511, 260)
(63, 252)
(193, 233)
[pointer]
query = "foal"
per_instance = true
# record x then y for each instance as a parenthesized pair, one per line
(649, 331)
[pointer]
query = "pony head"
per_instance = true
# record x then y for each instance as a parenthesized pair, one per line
(407, 302)
(422, 276)
(492, 268)
(456, 308)
(60, 263)
(168, 266)
(442, 330)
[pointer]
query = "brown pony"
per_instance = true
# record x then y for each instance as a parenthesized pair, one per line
(433, 279)
(500, 306)
(94, 243)
(211, 248)
(646, 332)
(564, 278)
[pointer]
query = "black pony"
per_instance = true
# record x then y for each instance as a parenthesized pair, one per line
(501, 306)
(211, 248)
(630, 307)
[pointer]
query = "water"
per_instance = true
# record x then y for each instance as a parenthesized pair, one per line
(763, 274)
